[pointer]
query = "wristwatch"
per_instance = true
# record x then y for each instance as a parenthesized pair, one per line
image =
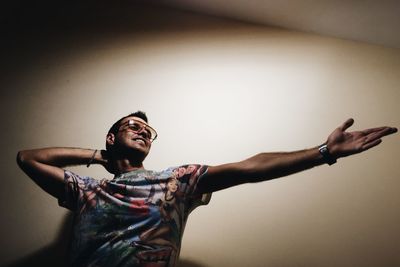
(326, 155)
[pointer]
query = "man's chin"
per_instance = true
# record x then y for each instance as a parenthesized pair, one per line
(137, 152)
(141, 152)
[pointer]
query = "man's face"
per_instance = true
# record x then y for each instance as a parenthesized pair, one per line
(133, 135)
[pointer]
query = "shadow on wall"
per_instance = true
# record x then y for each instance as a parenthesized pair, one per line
(55, 254)
(33, 30)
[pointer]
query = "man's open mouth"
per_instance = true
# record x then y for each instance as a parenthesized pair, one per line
(140, 140)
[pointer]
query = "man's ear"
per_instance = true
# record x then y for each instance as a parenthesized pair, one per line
(110, 139)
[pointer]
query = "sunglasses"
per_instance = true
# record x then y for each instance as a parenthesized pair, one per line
(138, 126)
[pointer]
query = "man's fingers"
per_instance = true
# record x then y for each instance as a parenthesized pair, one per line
(346, 124)
(372, 130)
(380, 133)
(374, 138)
(389, 130)
(371, 144)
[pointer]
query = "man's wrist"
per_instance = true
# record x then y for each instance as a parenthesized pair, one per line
(98, 156)
(326, 154)
(92, 158)
(103, 157)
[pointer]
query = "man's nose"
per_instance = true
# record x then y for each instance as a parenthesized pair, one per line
(142, 132)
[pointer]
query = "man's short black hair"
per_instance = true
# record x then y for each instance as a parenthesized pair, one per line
(115, 127)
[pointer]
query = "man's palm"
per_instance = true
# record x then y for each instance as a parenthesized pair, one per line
(342, 143)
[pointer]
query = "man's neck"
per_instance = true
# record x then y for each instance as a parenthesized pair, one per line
(126, 165)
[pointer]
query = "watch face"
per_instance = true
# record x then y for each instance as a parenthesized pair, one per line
(326, 155)
(324, 149)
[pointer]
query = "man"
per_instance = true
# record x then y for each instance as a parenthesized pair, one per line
(137, 218)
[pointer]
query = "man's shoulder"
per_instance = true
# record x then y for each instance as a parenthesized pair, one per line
(75, 177)
(186, 170)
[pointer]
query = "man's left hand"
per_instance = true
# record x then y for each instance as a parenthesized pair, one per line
(342, 143)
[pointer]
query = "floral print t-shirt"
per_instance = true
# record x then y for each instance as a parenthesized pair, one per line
(136, 219)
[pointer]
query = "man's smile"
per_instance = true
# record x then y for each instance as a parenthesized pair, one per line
(140, 140)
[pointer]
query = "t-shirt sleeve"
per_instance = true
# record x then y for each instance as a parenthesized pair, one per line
(189, 177)
(75, 187)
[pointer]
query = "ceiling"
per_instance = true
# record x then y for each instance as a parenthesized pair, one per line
(371, 21)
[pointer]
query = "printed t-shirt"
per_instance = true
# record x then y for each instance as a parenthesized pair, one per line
(136, 219)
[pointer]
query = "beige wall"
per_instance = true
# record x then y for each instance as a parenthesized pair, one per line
(217, 91)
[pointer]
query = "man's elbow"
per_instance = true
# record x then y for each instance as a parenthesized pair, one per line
(22, 158)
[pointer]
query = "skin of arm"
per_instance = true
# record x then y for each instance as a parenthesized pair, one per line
(45, 166)
(267, 166)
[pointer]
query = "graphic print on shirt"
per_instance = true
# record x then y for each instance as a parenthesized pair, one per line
(136, 219)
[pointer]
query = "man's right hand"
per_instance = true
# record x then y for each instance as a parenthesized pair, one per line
(105, 161)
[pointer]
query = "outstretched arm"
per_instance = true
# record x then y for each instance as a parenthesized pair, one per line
(45, 165)
(267, 166)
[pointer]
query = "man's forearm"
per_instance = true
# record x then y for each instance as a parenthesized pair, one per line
(266, 166)
(59, 156)
(45, 165)
(261, 167)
